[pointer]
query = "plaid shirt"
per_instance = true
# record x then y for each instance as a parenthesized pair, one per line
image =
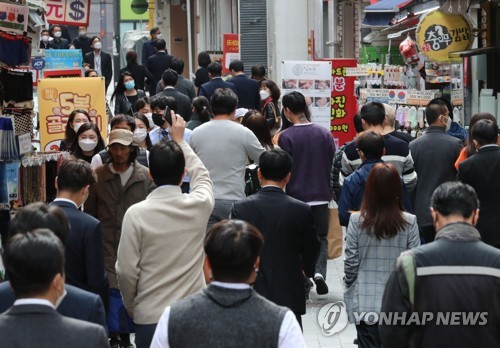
(369, 262)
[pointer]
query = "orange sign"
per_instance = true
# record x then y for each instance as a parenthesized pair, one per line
(230, 50)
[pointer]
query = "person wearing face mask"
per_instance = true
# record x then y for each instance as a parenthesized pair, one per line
(141, 134)
(126, 95)
(159, 104)
(99, 61)
(120, 121)
(148, 49)
(75, 120)
(82, 41)
(269, 96)
(69, 301)
(59, 43)
(89, 142)
(435, 167)
(138, 71)
(143, 106)
(45, 39)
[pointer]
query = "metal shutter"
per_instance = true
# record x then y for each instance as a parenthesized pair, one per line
(253, 30)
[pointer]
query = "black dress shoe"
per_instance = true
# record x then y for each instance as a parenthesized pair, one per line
(321, 287)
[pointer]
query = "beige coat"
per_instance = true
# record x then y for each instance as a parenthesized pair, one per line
(160, 256)
(108, 201)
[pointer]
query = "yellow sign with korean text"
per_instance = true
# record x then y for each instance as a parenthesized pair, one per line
(439, 34)
(59, 97)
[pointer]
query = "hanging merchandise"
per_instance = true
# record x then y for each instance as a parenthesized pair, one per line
(408, 49)
(17, 86)
(9, 176)
(412, 116)
(14, 49)
(421, 116)
(8, 146)
(456, 114)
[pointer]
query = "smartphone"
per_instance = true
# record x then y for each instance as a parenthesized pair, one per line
(167, 116)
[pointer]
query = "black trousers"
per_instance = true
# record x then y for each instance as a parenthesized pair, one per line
(368, 336)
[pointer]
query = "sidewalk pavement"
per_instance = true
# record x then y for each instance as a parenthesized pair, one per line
(312, 331)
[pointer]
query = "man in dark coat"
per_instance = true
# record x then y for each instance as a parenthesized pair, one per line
(100, 61)
(247, 89)
(216, 81)
(170, 78)
(158, 63)
(481, 171)
(292, 245)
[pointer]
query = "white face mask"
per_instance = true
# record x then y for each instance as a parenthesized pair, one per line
(139, 135)
(149, 116)
(264, 95)
(57, 34)
(82, 33)
(76, 126)
(45, 38)
(60, 298)
(448, 123)
(158, 36)
(87, 145)
(97, 45)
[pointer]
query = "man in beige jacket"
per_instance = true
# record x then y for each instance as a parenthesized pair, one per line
(160, 255)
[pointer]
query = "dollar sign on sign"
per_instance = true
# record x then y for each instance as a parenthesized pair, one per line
(78, 14)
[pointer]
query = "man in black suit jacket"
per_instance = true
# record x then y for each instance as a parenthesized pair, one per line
(100, 61)
(148, 49)
(158, 63)
(247, 89)
(84, 264)
(170, 78)
(291, 244)
(77, 304)
(482, 171)
(34, 263)
(216, 81)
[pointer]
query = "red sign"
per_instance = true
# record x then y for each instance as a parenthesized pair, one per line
(70, 12)
(344, 104)
(230, 50)
(56, 73)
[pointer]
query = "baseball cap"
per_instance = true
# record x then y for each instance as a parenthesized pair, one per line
(121, 136)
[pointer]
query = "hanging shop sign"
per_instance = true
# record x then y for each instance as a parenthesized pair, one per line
(58, 97)
(230, 50)
(70, 12)
(63, 59)
(13, 18)
(314, 81)
(439, 34)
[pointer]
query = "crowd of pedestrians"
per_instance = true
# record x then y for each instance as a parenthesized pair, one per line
(154, 233)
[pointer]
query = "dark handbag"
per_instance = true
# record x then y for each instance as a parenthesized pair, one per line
(252, 183)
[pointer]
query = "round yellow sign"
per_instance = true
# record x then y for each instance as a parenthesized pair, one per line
(439, 34)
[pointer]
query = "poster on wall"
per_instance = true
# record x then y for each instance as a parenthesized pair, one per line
(70, 12)
(13, 18)
(58, 97)
(314, 81)
(230, 50)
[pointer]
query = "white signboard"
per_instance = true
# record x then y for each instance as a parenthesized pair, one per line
(314, 81)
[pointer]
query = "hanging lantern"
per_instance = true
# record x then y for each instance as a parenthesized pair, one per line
(408, 49)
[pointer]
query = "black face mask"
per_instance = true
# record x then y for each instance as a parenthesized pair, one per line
(158, 119)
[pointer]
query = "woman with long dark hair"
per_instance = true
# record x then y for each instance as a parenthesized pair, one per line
(125, 94)
(138, 71)
(201, 75)
(376, 236)
(89, 142)
(141, 134)
(200, 112)
(257, 123)
(75, 120)
(469, 148)
(269, 95)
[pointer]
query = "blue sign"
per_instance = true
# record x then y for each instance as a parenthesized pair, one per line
(63, 59)
(38, 63)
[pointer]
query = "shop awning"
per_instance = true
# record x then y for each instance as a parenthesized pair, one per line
(389, 6)
(375, 20)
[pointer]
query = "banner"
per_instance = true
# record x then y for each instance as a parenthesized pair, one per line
(344, 103)
(13, 18)
(314, 81)
(70, 12)
(58, 97)
(439, 34)
(53, 73)
(63, 59)
(230, 50)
